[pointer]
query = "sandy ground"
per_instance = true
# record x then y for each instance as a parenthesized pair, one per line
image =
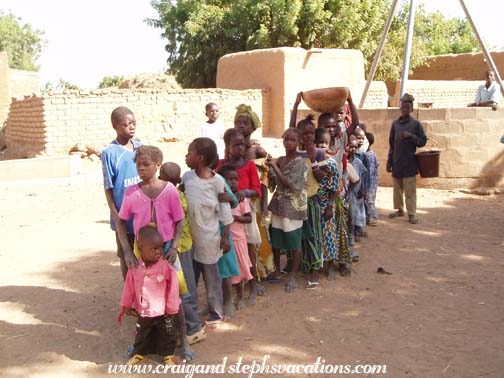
(439, 314)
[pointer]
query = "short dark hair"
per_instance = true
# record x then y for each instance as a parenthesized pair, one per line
(370, 138)
(319, 134)
(207, 106)
(151, 151)
(307, 121)
(206, 147)
(292, 130)
(118, 113)
(150, 233)
(229, 134)
(324, 117)
(225, 169)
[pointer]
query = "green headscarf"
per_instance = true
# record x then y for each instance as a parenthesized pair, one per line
(245, 110)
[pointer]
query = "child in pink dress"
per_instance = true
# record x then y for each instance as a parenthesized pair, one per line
(242, 215)
(151, 292)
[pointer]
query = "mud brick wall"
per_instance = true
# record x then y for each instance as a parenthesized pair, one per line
(471, 154)
(53, 123)
(441, 94)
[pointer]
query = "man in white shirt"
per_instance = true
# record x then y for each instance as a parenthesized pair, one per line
(488, 94)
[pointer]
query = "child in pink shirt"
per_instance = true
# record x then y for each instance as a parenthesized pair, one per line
(151, 292)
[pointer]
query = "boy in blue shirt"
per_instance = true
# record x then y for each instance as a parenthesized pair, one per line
(119, 172)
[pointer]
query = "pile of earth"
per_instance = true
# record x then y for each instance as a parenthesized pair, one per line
(150, 80)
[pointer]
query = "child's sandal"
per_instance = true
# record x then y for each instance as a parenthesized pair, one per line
(136, 359)
(170, 360)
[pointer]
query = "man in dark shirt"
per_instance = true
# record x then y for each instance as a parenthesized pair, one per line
(406, 134)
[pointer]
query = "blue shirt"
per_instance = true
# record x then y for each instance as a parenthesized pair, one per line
(119, 172)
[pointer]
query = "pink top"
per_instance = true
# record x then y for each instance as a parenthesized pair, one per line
(238, 231)
(151, 290)
(165, 210)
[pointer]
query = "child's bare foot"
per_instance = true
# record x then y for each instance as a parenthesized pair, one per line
(186, 352)
(291, 285)
(240, 304)
(251, 300)
(228, 309)
(331, 273)
(260, 289)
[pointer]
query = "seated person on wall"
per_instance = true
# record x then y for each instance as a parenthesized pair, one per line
(488, 94)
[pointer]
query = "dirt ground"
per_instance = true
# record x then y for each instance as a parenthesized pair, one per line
(439, 314)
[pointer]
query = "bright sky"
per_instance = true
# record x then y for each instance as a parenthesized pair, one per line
(89, 39)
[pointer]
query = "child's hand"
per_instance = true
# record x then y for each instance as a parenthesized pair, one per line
(241, 195)
(224, 244)
(171, 255)
(269, 160)
(405, 134)
(130, 260)
(131, 312)
(299, 97)
(225, 197)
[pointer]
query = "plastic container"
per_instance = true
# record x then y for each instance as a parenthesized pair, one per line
(428, 163)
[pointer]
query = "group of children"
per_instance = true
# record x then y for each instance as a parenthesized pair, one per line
(215, 221)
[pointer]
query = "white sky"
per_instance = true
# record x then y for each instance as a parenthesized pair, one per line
(89, 39)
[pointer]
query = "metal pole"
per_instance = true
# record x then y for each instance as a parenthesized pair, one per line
(407, 49)
(376, 59)
(482, 45)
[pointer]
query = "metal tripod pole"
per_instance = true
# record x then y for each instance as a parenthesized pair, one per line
(376, 59)
(407, 48)
(482, 45)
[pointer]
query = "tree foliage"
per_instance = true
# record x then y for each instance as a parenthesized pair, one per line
(199, 32)
(22, 44)
(111, 81)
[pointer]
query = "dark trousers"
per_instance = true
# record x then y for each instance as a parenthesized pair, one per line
(156, 336)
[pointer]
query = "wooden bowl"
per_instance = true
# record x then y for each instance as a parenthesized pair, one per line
(326, 100)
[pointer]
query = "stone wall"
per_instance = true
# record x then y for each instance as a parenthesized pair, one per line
(53, 123)
(440, 94)
(471, 154)
(458, 67)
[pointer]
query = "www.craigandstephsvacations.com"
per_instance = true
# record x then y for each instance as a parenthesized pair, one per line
(241, 368)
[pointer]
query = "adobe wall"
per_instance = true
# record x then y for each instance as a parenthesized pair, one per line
(471, 156)
(53, 123)
(458, 67)
(288, 70)
(441, 94)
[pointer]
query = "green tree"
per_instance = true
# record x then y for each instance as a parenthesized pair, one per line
(110, 81)
(22, 44)
(199, 32)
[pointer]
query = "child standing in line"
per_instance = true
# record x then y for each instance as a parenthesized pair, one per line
(322, 138)
(213, 128)
(372, 182)
(202, 188)
(151, 293)
(249, 187)
(119, 172)
(242, 216)
(194, 328)
(357, 192)
(289, 204)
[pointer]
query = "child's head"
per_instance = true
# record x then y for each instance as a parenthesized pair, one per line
(212, 112)
(322, 138)
(170, 172)
(352, 147)
(291, 138)
(231, 175)
(406, 106)
(370, 138)
(327, 121)
(235, 143)
(306, 128)
(246, 120)
(360, 135)
(124, 122)
(150, 244)
(340, 114)
(148, 159)
(202, 152)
